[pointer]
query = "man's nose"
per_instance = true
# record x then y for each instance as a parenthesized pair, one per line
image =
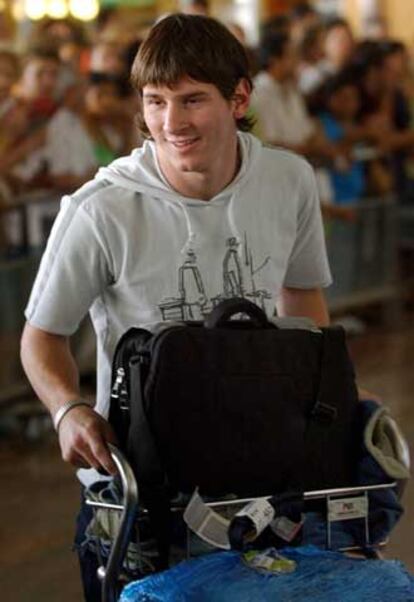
(174, 117)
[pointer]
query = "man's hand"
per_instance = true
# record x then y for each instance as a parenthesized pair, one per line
(83, 438)
(52, 371)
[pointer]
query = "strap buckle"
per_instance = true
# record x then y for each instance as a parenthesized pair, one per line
(324, 413)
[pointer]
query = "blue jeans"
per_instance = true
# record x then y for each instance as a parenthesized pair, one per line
(88, 560)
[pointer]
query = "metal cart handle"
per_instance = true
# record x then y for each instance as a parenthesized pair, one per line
(109, 574)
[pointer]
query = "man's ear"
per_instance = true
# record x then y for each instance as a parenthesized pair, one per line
(241, 98)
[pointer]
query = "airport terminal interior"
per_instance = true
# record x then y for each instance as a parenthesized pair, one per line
(344, 73)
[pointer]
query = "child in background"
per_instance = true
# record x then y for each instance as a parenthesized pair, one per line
(341, 104)
(356, 170)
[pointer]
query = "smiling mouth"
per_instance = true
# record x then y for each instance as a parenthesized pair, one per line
(182, 144)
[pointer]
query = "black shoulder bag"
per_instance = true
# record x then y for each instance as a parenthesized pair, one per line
(234, 405)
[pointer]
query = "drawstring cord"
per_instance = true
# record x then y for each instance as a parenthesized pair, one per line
(192, 236)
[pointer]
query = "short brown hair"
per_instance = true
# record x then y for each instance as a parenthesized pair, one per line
(193, 46)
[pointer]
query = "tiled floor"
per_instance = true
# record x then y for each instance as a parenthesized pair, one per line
(39, 494)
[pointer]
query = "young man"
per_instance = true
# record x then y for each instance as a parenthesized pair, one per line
(282, 116)
(198, 192)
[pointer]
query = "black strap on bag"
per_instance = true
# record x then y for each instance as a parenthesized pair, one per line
(150, 474)
(333, 415)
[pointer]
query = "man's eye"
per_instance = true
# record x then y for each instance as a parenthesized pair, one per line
(193, 101)
(154, 102)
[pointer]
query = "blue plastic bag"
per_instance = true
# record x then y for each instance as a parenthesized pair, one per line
(320, 576)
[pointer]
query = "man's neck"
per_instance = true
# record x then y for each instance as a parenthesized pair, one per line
(202, 185)
(198, 186)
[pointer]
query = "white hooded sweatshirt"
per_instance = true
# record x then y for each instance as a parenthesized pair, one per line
(133, 251)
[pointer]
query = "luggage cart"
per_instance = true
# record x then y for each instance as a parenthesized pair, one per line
(110, 574)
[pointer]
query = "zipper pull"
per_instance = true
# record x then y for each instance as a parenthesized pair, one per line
(120, 376)
(119, 390)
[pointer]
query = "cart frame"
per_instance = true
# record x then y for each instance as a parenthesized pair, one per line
(109, 574)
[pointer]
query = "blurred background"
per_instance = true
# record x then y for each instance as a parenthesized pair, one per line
(334, 81)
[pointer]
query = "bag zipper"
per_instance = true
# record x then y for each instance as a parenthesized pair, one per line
(119, 389)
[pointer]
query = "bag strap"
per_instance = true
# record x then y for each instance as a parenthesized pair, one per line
(334, 356)
(337, 392)
(325, 410)
(150, 474)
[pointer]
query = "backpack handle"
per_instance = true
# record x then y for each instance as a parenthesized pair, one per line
(228, 308)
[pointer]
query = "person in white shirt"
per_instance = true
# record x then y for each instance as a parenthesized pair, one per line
(88, 132)
(199, 187)
(310, 73)
(282, 117)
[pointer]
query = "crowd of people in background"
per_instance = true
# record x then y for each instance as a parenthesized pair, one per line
(346, 104)
(67, 108)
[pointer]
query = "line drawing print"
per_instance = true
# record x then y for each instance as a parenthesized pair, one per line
(233, 285)
(193, 302)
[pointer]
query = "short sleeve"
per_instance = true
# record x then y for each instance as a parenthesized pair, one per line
(74, 271)
(308, 265)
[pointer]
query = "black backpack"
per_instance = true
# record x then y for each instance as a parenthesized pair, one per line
(234, 406)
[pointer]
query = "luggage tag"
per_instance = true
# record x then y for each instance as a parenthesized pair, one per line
(348, 508)
(210, 526)
(285, 528)
(268, 561)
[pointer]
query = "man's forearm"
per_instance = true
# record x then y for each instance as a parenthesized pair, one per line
(303, 302)
(50, 367)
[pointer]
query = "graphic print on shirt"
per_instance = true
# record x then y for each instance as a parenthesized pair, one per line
(238, 276)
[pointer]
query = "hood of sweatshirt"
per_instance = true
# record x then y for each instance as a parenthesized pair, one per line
(140, 172)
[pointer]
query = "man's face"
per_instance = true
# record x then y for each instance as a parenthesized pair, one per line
(193, 126)
(40, 77)
(102, 100)
(339, 45)
(107, 58)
